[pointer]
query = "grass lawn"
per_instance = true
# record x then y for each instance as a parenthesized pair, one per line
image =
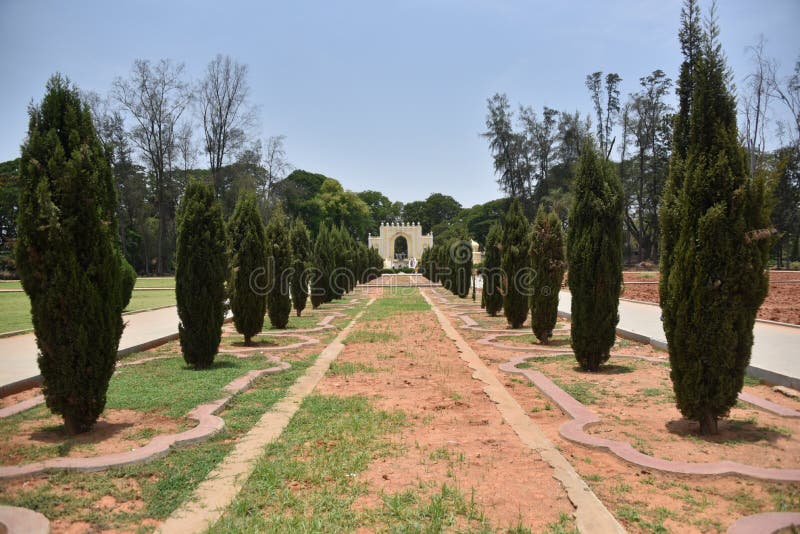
(16, 314)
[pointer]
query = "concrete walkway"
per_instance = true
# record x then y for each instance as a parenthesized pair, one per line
(776, 348)
(18, 353)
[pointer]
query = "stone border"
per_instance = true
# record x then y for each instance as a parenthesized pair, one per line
(18, 520)
(582, 417)
(242, 352)
(590, 514)
(767, 523)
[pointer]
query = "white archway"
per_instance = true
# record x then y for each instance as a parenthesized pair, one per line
(384, 242)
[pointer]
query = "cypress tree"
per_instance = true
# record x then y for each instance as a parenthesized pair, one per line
(301, 261)
(279, 264)
(67, 256)
(514, 263)
(248, 257)
(200, 273)
(716, 236)
(594, 253)
(320, 280)
(492, 275)
(128, 281)
(547, 262)
(460, 252)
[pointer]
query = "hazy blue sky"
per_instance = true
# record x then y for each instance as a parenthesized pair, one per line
(380, 95)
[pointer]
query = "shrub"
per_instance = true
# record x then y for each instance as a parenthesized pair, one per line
(547, 262)
(594, 252)
(201, 269)
(248, 264)
(128, 281)
(515, 265)
(67, 255)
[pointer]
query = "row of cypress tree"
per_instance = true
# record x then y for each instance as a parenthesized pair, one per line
(450, 263)
(267, 270)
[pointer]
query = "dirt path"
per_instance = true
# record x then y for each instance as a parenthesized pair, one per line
(455, 434)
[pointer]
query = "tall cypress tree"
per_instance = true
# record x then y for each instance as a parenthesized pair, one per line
(460, 252)
(67, 256)
(322, 267)
(594, 252)
(248, 256)
(492, 277)
(547, 262)
(200, 273)
(515, 264)
(279, 264)
(716, 237)
(301, 261)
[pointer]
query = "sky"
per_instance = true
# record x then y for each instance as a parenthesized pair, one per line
(382, 95)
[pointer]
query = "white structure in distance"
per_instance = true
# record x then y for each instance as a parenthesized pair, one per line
(397, 243)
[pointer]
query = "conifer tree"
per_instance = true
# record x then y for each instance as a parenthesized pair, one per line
(279, 264)
(492, 277)
(128, 281)
(594, 252)
(322, 268)
(515, 265)
(67, 256)
(547, 262)
(248, 257)
(460, 253)
(301, 261)
(200, 273)
(715, 238)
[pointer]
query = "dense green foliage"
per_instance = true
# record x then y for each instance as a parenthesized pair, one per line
(128, 281)
(547, 262)
(201, 270)
(515, 265)
(594, 253)
(715, 239)
(248, 263)
(279, 270)
(67, 256)
(492, 298)
(301, 262)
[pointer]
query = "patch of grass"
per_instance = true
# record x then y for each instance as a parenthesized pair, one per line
(144, 300)
(750, 381)
(350, 368)
(16, 312)
(530, 339)
(594, 478)
(396, 302)
(364, 335)
(583, 392)
(652, 392)
(564, 525)
(306, 321)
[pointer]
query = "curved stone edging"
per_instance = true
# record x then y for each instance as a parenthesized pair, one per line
(582, 418)
(18, 520)
(243, 352)
(209, 423)
(767, 523)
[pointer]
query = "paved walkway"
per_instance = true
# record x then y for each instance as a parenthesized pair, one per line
(776, 349)
(18, 353)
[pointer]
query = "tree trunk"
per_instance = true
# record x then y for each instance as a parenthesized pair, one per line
(708, 425)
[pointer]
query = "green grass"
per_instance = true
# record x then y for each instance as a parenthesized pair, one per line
(306, 321)
(396, 302)
(530, 339)
(350, 368)
(583, 392)
(16, 313)
(16, 307)
(371, 336)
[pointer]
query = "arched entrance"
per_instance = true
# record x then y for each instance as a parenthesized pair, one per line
(400, 248)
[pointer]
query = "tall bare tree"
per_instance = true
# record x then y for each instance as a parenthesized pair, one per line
(276, 165)
(155, 97)
(225, 113)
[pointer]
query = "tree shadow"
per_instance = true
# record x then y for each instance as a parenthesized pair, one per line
(57, 434)
(731, 431)
(611, 369)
